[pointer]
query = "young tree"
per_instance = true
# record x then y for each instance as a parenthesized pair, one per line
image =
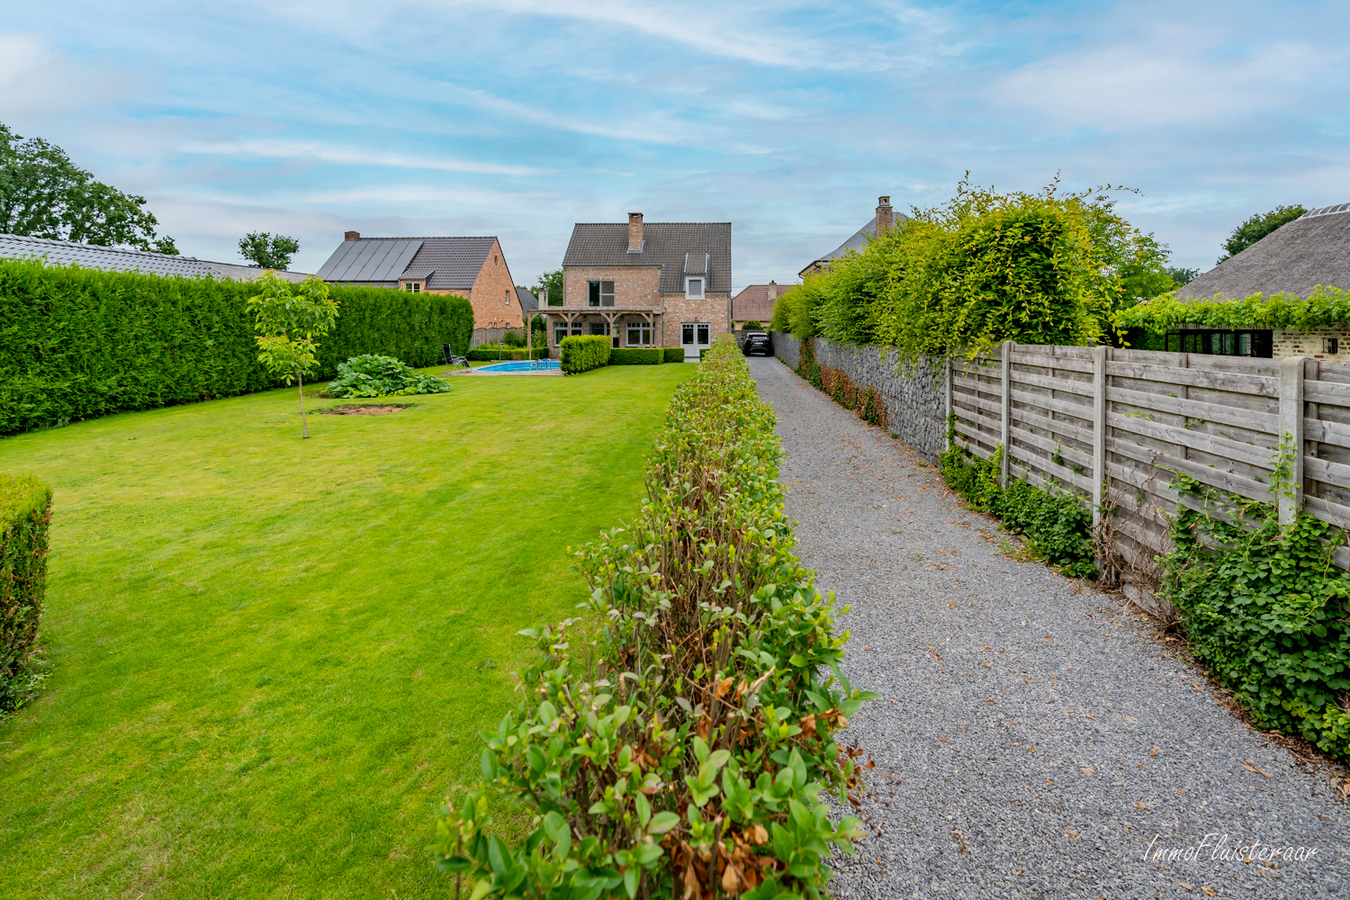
(43, 194)
(1257, 227)
(553, 283)
(268, 251)
(290, 320)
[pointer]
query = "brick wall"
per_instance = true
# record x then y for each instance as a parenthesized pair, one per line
(1311, 344)
(715, 310)
(493, 295)
(633, 285)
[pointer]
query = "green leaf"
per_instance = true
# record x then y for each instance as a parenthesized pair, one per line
(662, 822)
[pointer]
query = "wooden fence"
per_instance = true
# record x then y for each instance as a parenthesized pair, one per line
(1113, 426)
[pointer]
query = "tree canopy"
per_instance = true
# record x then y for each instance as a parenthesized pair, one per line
(553, 282)
(1257, 227)
(43, 194)
(269, 251)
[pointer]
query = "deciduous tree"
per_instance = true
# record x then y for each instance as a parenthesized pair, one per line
(269, 251)
(1257, 227)
(290, 320)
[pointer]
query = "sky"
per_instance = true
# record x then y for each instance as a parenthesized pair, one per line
(788, 119)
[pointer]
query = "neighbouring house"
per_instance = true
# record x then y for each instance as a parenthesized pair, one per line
(882, 222)
(113, 259)
(472, 267)
(654, 284)
(1311, 251)
(755, 303)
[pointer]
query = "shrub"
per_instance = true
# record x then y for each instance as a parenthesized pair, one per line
(752, 325)
(1057, 526)
(674, 354)
(381, 376)
(581, 354)
(678, 746)
(636, 356)
(513, 339)
(25, 512)
(80, 343)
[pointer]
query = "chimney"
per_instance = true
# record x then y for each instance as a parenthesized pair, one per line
(773, 290)
(635, 232)
(352, 236)
(885, 215)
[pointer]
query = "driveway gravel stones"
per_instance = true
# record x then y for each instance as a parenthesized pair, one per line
(1032, 739)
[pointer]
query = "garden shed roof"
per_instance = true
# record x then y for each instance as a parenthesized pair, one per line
(114, 259)
(665, 244)
(449, 263)
(1312, 250)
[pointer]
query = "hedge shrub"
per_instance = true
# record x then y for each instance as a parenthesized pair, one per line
(25, 512)
(636, 356)
(80, 343)
(674, 354)
(581, 354)
(485, 353)
(678, 744)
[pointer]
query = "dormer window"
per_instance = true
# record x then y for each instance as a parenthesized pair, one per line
(693, 288)
(412, 287)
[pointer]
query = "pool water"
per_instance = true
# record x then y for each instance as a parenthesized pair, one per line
(538, 365)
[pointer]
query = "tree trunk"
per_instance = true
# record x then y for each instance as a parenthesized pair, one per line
(304, 424)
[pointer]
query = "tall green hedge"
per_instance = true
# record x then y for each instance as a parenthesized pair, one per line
(25, 511)
(581, 354)
(674, 354)
(80, 343)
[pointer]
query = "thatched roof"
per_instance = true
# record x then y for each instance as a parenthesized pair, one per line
(1312, 250)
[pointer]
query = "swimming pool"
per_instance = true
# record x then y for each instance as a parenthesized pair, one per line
(520, 367)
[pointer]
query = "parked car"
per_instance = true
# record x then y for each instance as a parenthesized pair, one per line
(756, 342)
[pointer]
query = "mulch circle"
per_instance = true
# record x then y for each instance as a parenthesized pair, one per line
(365, 409)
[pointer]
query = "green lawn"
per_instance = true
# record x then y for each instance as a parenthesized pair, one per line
(273, 657)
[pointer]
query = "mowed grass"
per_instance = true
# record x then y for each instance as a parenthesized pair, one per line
(273, 657)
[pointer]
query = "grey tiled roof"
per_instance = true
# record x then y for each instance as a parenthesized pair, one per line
(92, 256)
(527, 300)
(858, 242)
(454, 262)
(1311, 250)
(664, 244)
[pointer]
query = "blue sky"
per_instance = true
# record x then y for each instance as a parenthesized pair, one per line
(788, 119)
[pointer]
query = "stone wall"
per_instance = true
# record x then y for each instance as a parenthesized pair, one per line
(914, 391)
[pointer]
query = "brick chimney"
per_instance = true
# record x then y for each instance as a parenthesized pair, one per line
(352, 236)
(635, 232)
(885, 215)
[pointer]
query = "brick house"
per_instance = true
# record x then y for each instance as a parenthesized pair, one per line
(1296, 258)
(658, 284)
(472, 267)
(756, 302)
(882, 222)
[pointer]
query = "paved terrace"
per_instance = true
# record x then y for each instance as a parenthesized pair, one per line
(1033, 739)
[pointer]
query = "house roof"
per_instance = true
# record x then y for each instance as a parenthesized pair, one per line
(92, 256)
(664, 244)
(1312, 250)
(858, 242)
(753, 304)
(528, 302)
(445, 263)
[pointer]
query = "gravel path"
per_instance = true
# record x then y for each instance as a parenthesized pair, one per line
(1032, 739)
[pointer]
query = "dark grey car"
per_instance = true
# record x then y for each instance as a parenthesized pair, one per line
(756, 342)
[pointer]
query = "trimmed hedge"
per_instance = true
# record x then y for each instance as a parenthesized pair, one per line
(678, 743)
(674, 354)
(636, 356)
(581, 354)
(25, 512)
(80, 343)
(483, 354)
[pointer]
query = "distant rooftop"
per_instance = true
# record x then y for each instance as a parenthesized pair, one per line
(114, 259)
(444, 263)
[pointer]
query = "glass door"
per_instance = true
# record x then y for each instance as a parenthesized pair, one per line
(695, 337)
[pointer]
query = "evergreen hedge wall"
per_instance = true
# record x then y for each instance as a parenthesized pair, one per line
(25, 512)
(80, 343)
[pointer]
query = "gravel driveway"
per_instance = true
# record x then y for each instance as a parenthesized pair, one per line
(1032, 740)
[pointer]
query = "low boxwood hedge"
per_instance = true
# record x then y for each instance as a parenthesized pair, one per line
(677, 743)
(581, 354)
(674, 354)
(25, 512)
(636, 356)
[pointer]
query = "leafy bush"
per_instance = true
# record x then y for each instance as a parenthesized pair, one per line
(513, 339)
(80, 343)
(1269, 613)
(678, 746)
(1057, 526)
(381, 376)
(581, 354)
(1325, 306)
(636, 356)
(493, 352)
(752, 325)
(25, 512)
(674, 354)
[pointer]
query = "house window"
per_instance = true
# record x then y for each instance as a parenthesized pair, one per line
(508, 298)
(599, 328)
(693, 288)
(1331, 345)
(412, 287)
(560, 332)
(1255, 343)
(639, 334)
(600, 293)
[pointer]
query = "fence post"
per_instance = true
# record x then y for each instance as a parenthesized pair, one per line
(947, 402)
(1099, 357)
(1005, 405)
(1291, 432)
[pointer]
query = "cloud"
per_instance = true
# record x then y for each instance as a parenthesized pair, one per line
(38, 82)
(319, 152)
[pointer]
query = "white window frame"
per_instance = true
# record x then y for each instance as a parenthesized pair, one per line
(412, 287)
(640, 328)
(688, 287)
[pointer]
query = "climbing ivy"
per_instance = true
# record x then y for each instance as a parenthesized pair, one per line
(1265, 609)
